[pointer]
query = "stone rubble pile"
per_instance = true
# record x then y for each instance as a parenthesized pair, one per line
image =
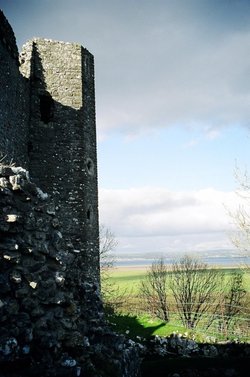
(49, 318)
(178, 355)
(178, 345)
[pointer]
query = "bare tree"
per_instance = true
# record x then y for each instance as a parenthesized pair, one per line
(196, 290)
(154, 290)
(108, 243)
(111, 294)
(241, 216)
(233, 300)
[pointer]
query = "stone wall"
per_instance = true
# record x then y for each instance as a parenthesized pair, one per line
(14, 100)
(50, 319)
(62, 140)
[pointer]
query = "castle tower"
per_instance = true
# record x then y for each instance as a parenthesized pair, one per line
(62, 141)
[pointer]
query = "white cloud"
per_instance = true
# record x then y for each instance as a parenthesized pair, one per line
(155, 219)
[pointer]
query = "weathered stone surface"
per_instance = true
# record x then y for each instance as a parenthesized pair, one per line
(45, 304)
(181, 356)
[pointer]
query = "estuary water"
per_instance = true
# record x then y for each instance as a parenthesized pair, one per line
(223, 261)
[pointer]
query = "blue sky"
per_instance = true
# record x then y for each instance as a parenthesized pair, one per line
(175, 158)
(173, 110)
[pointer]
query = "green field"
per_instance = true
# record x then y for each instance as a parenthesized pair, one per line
(130, 279)
(128, 320)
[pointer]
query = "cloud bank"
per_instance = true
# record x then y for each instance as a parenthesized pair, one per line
(155, 219)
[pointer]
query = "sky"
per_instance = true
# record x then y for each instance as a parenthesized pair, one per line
(172, 111)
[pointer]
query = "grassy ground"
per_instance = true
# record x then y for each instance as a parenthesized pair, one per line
(129, 279)
(141, 324)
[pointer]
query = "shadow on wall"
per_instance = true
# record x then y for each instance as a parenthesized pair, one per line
(194, 367)
(62, 156)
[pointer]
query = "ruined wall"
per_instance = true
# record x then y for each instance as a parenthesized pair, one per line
(62, 140)
(14, 100)
(51, 322)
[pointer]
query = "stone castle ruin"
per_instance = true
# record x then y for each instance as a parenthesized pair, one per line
(51, 315)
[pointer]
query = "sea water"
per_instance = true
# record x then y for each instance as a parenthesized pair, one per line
(223, 261)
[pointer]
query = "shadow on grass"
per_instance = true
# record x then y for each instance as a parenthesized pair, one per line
(130, 325)
(234, 362)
